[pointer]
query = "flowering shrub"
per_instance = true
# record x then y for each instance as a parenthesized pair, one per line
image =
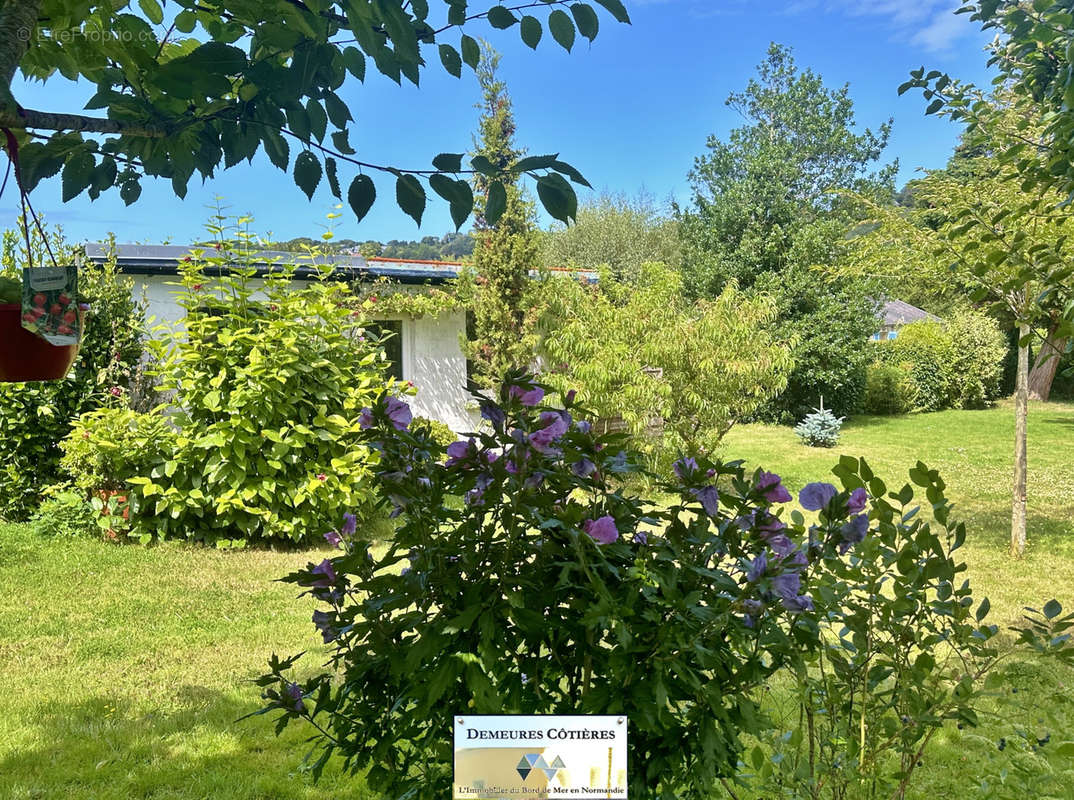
(522, 579)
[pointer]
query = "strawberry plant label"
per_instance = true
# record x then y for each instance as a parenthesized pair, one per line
(50, 304)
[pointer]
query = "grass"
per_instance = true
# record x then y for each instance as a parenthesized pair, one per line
(124, 668)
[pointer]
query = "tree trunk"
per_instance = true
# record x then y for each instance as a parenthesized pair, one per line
(1045, 366)
(18, 24)
(1021, 410)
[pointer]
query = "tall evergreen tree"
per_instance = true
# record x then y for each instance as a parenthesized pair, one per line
(501, 333)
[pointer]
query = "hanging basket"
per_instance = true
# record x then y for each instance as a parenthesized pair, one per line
(26, 357)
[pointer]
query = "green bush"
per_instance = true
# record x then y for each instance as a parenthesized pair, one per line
(36, 417)
(888, 390)
(268, 382)
(957, 363)
(435, 430)
(109, 446)
(65, 514)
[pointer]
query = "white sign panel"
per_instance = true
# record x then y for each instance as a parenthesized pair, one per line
(540, 757)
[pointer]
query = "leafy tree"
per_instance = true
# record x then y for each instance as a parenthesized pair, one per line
(212, 84)
(499, 290)
(617, 232)
(764, 214)
(641, 351)
(1007, 245)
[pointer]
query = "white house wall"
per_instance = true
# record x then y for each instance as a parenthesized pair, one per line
(432, 357)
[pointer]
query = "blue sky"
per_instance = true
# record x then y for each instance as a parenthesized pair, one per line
(631, 111)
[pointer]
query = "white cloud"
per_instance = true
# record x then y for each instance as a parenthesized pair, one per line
(930, 24)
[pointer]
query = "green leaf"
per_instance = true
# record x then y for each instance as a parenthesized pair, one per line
(448, 162)
(307, 172)
(152, 10)
(333, 178)
(495, 203)
(361, 195)
(557, 197)
(535, 162)
(318, 120)
(531, 31)
(341, 141)
(471, 52)
(185, 21)
(1065, 749)
(484, 166)
(130, 191)
(934, 106)
(410, 196)
(337, 110)
(1052, 609)
(77, 173)
(458, 193)
(501, 18)
(562, 29)
(449, 57)
(586, 20)
(276, 148)
(982, 609)
(615, 7)
(354, 61)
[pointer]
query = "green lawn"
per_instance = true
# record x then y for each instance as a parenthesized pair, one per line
(124, 668)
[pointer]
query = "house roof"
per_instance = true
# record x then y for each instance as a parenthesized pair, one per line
(158, 259)
(896, 312)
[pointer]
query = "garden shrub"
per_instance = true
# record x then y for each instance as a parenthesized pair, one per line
(266, 381)
(821, 428)
(888, 390)
(438, 431)
(109, 446)
(35, 417)
(957, 363)
(65, 514)
(549, 590)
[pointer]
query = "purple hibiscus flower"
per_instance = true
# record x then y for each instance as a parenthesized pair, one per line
(365, 419)
(800, 603)
(786, 585)
(554, 427)
(583, 468)
(853, 532)
(334, 539)
(458, 452)
(771, 486)
(816, 496)
(768, 525)
(709, 498)
(746, 521)
(328, 574)
(602, 530)
(684, 468)
(350, 525)
(757, 569)
(583, 426)
(323, 621)
(528, 397)
(858, 499)
(781, 544)
(399, 414)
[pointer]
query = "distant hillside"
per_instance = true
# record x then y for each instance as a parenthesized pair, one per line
(449, 247)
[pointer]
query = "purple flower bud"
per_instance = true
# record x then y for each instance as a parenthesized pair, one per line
(757, 569)
(365, 419)
(853, 532)
(569, 398)
(641, 537)
(602, 530)
(294, 691)
(494, 414)
(816, 496)
(583, 426)
(333, 538)
(323, 621)
(684, 468)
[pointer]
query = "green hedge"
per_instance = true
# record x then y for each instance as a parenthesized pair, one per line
(930, 366)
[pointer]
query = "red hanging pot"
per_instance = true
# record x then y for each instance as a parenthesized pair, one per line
(27, 357)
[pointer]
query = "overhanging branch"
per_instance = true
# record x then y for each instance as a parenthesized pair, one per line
(46, 120)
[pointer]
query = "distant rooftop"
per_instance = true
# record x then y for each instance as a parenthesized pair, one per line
(896, 313)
